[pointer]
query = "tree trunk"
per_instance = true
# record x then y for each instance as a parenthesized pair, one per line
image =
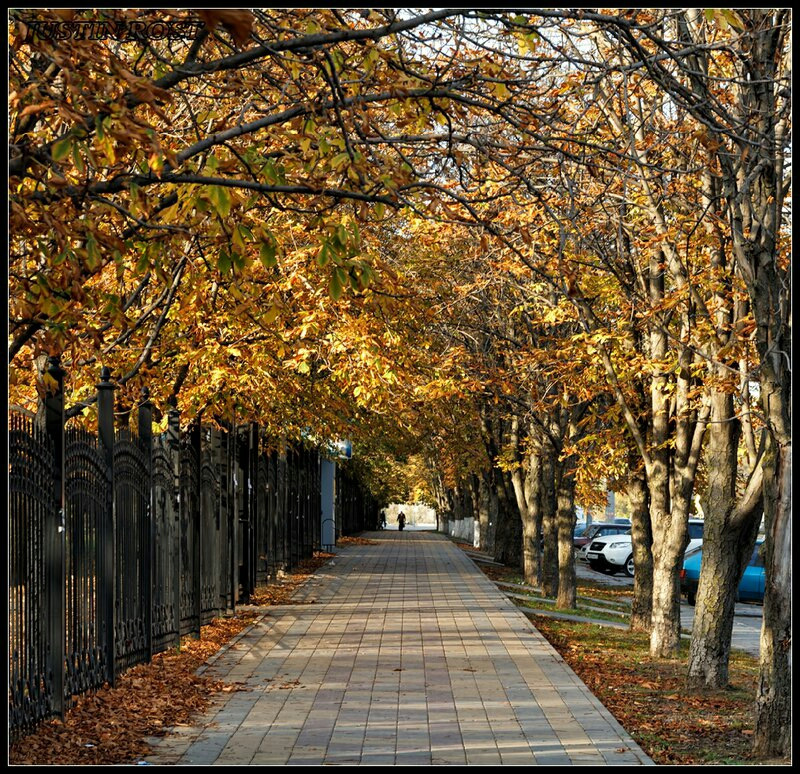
(728, 541)
(483, 512)
(774, 341)
(549, 579)
(670, 527)
(642, 543)
(508, 541)
(531, 551)
(774, 692)
(567, 592)
(474, 492)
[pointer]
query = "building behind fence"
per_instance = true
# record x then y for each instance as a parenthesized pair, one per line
(121, 541)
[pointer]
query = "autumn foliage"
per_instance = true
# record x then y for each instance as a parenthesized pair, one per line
(528, 255)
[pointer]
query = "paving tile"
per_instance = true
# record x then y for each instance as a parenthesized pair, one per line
(408, 656)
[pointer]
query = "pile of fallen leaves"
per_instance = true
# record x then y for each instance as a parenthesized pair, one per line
(109, 725)
(466, 547)
(281, 592)
(674, 724)
(499, 574)
(355, 541)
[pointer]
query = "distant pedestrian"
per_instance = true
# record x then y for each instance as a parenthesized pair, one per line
(383, 519)
(401, 520)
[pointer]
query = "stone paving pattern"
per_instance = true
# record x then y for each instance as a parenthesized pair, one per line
(404, 653)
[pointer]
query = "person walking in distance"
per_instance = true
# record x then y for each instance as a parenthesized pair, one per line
(401, 520)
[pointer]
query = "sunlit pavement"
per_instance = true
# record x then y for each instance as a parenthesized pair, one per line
(404, 653)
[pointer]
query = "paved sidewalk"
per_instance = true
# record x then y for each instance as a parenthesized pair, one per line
(407, 655)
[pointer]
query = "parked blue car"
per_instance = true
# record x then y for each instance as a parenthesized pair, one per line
(751, 587)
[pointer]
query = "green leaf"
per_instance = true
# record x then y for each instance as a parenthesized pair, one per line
(267, 255)
(221, 199)
(366, 274)
(78, 159)
(270, 173)
(335, 287)
(224, 263)
(323, 256)
(237, 238)
(93, 253)
(339, 159)
(732, 19)
(61, 149)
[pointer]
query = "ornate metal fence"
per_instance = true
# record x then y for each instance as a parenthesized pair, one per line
(190, 533)
(132, 552)
(32, 511)
(121, 542)
(88, 486)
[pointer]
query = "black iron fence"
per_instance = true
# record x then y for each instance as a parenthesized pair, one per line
(121, 542)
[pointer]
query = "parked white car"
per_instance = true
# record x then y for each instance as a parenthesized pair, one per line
(612, 553)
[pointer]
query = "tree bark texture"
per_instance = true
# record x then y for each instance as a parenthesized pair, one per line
(565, 520)
(642, 546)
(728, 541)
(549, 580)
(531, 549)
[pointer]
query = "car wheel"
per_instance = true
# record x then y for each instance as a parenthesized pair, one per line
(629, 566)
(691, 597)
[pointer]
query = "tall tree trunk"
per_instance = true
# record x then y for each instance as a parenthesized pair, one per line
(494, 508)
(549, 579)
(483, 512)
(665, 627)
(565, 519)
(531, 525)
(474, 492)
(774, 694)
(526, 492)
(728, 540)
(690, 427)
(642, 544)
(508, 541)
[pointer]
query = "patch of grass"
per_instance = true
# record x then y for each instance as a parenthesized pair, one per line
(579, 610)
(591, 589)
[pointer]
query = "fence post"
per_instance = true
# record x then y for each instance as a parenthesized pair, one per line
(55, 532)
(233, 513)
(196, 440)
(145, 417)
(107, 570)
(249, 514)
(174, 434)
(255, 511)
